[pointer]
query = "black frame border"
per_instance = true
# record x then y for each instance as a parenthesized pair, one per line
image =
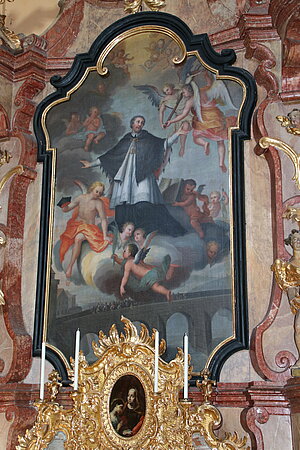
(222, 62)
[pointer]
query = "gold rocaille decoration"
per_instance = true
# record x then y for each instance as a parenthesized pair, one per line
(291, 121)
(287, 275)
(265, 142)
(9, 38)
(4, 157)
(293, 214)
(53, 385)
(206, 386)
(168, 422)
(134, 6)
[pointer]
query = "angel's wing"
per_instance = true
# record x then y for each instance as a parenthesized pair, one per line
(152, 92)
(81, 185)
(143, 252)
(218, 91)
(191, 69)
(197, 100)
(149, 238)
(200, 188)
(185, 70)
(115, 231)
(141, 255)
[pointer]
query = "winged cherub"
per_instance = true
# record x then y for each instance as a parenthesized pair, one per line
(144, 277)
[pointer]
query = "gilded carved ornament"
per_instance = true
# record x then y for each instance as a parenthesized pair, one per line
(291, 121)
(4, 157)
(265, 142)
(134, 6)
(206, 386)
(287, 275)
(8, 37)
(165, 423)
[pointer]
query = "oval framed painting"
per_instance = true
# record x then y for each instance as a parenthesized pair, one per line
(127, 406)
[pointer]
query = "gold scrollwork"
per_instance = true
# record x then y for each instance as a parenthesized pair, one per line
(134, 6)
(166, 422)
(265, 142)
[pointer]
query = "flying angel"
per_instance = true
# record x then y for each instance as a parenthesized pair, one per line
(208, 121)
(170, 102)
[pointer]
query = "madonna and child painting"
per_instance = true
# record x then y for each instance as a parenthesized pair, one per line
(142, 197)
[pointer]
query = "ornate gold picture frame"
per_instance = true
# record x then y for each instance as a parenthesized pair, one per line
(168, 423)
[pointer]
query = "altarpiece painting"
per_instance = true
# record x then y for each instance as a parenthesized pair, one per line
(142, 204)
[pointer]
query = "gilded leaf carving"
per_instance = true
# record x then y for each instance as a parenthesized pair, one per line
(168, 423)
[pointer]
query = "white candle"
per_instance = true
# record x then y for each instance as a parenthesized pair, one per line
(186, 367)
(156, 350)
(42, 374)
(76, 365)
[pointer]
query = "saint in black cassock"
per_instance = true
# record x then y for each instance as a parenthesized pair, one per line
(131, 165)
